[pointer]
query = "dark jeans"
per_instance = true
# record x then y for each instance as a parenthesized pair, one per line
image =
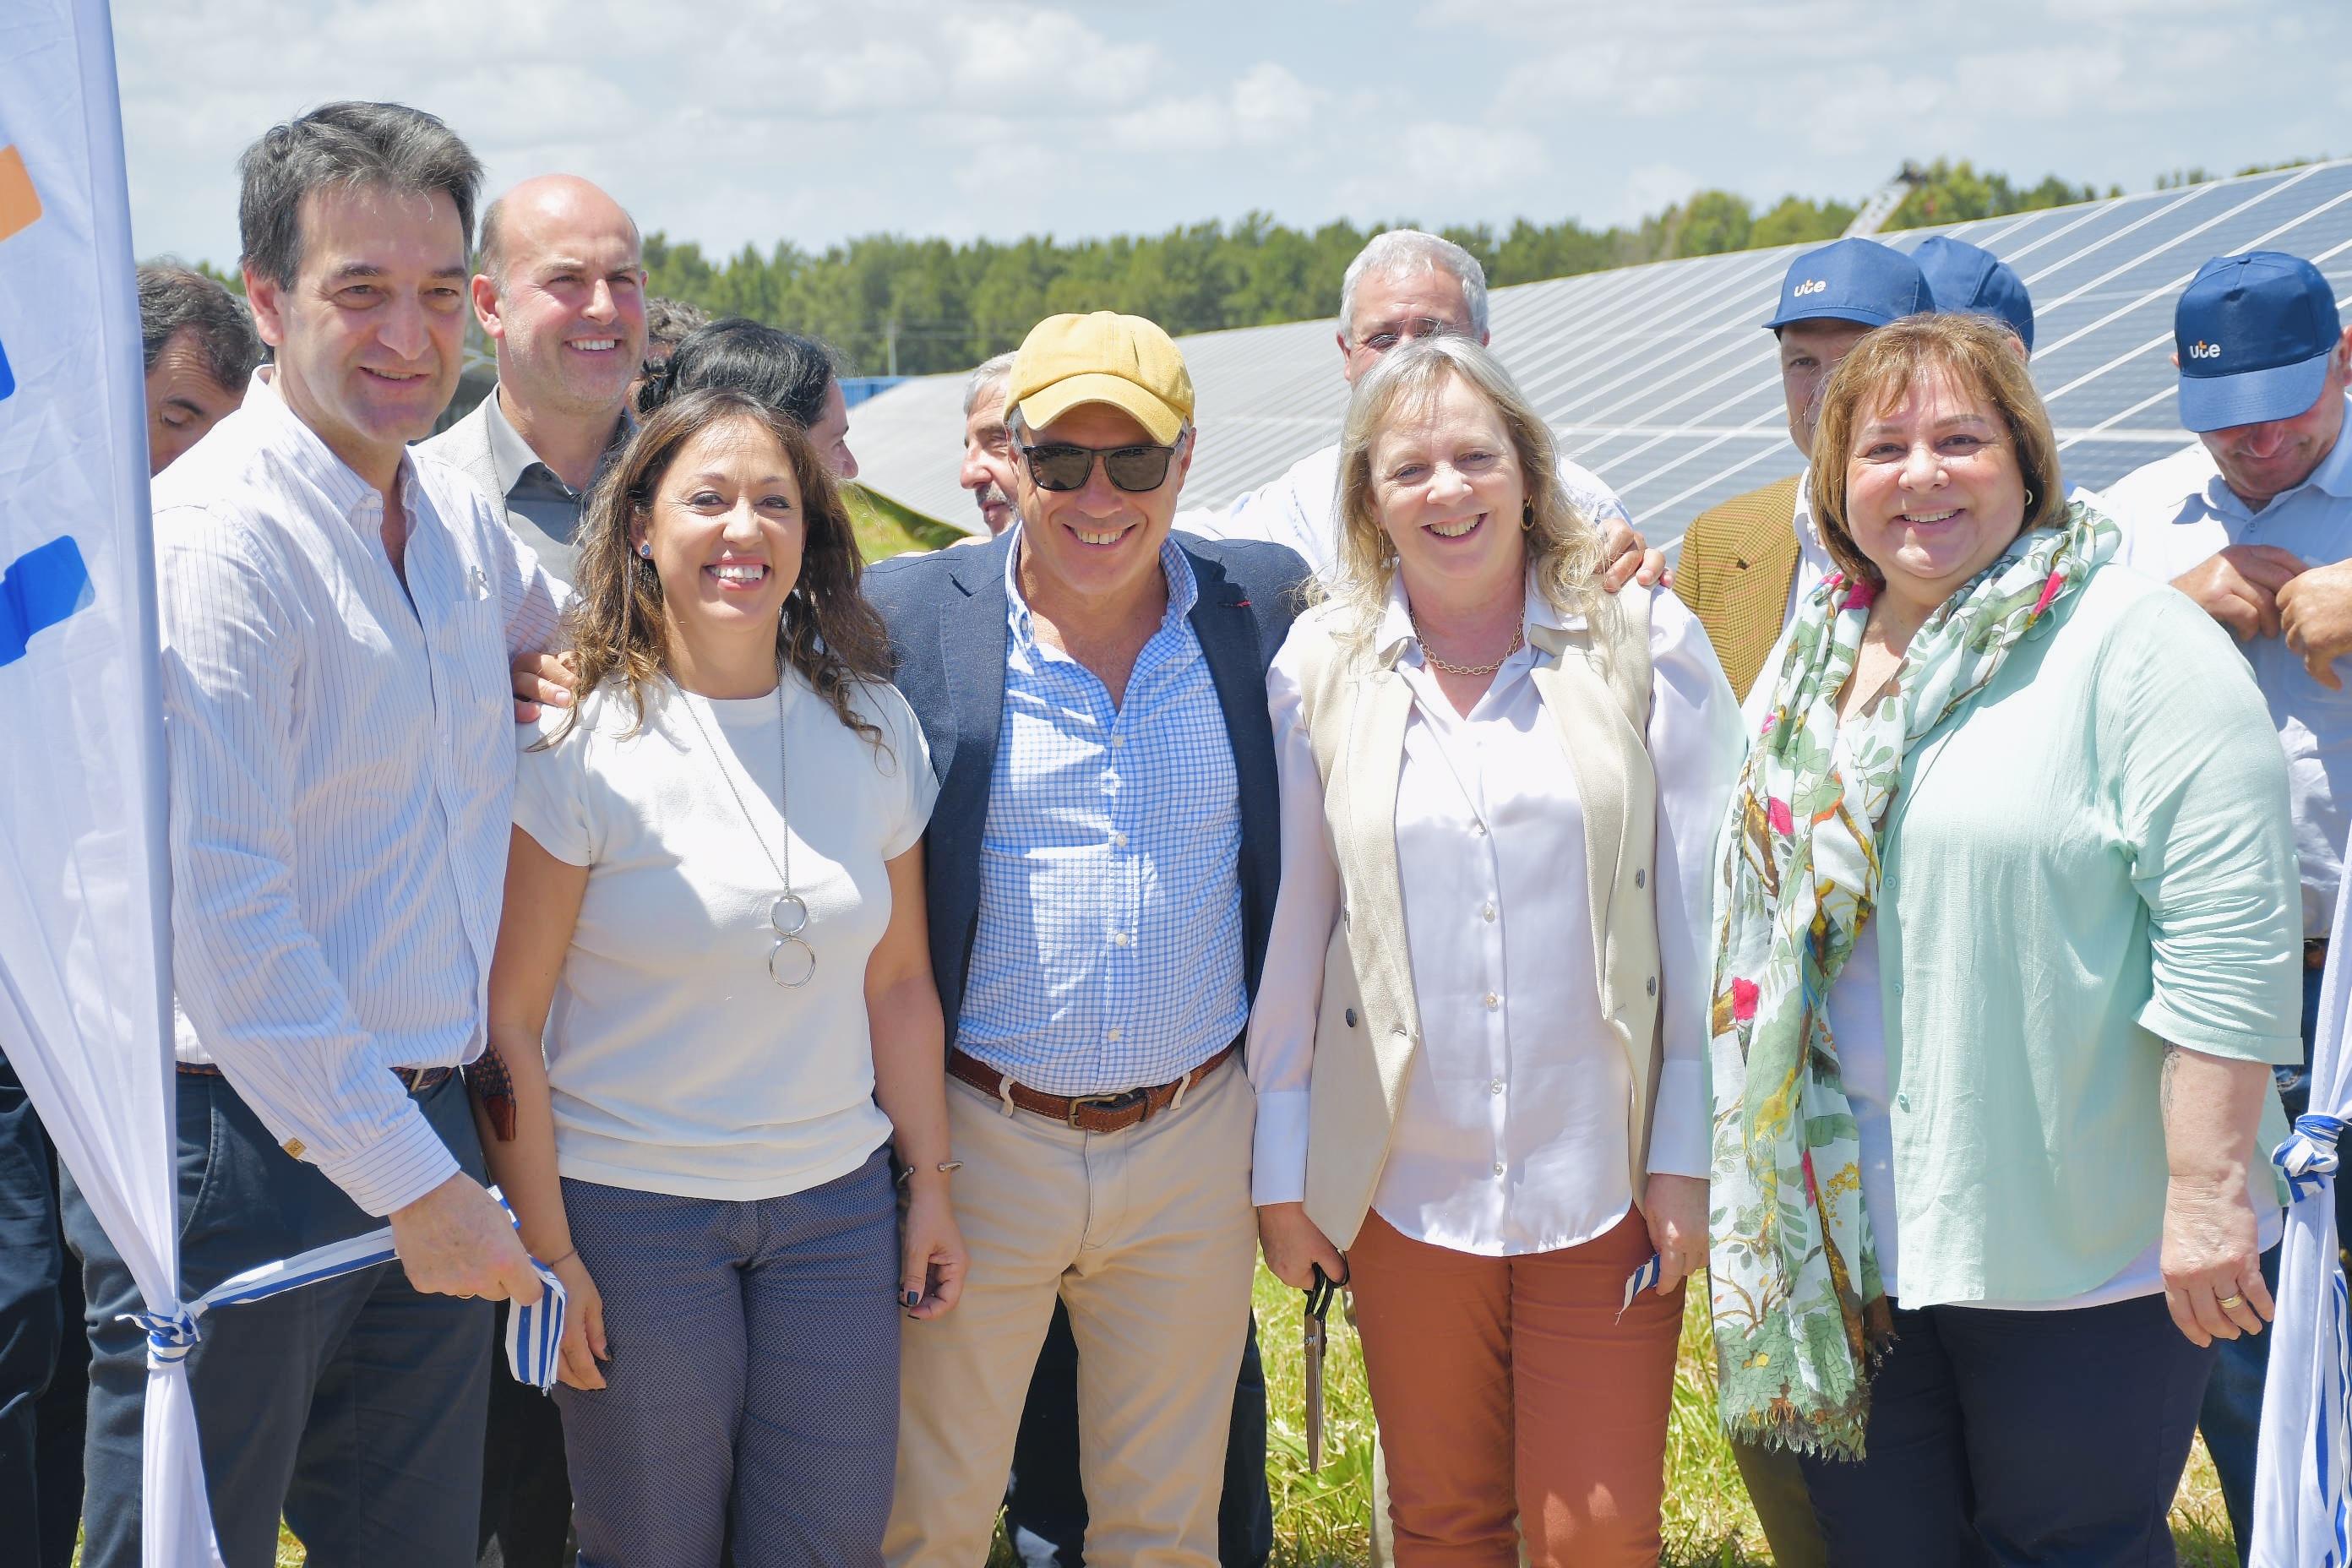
(2231, 1419)
(526, 1488)
(2010, 1438)
(1045, 1499)
(354, 1407)
(44, 1361)
(752, 1387)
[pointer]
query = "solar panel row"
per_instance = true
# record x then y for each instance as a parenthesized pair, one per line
(1659, 378)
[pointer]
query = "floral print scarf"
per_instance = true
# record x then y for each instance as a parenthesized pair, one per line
(1800, 1313)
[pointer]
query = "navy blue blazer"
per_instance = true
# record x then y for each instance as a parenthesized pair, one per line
(946, 612)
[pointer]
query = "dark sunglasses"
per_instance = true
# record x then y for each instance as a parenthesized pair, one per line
(1131, 469)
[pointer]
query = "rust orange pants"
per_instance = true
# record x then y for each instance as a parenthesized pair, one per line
(1510, 1388)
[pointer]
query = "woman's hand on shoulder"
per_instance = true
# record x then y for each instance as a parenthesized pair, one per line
(1295, 1246)
(1675, 1208)
(583, 1327)
(935, 1262)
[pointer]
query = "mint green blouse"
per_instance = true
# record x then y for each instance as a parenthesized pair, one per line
(2093, 859)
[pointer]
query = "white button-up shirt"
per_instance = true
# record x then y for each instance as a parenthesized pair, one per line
(2177, 513)
(1299, 510)
(341, 756)
(1511, 1135)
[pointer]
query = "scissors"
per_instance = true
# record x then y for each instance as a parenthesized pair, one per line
(1319, 1297)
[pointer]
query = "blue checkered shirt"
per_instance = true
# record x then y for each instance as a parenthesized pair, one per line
(1108, 952)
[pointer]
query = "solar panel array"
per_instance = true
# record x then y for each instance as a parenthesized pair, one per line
(1660, 379)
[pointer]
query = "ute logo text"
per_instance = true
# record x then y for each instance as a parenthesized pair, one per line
(1810, 286)
(2201, 349)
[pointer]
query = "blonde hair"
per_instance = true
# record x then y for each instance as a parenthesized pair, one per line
(1981, 354)
(1563, 543)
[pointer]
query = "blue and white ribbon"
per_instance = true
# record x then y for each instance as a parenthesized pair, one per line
(2309, 1154)
(534, 1333)
(1643, 1279)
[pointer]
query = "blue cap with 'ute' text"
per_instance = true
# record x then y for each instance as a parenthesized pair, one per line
(2253, 334)
(1851, 280)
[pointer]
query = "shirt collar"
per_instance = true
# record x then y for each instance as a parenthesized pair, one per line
(310, 456)
(1184, 588)
(1546, 628)
(511, 456)
(2334, 475)
(1806, 530)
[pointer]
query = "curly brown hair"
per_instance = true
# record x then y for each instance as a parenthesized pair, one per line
(618, 624)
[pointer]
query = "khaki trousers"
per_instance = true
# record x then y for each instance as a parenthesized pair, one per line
(1149, 1236)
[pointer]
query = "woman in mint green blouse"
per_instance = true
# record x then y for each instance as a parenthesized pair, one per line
(2008, 932)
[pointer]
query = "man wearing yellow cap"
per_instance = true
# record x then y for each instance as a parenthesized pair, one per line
(1101, 874)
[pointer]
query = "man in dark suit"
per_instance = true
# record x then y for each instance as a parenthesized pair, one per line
(1101, 866)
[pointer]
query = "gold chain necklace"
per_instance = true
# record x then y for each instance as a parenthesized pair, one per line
(1519, 638)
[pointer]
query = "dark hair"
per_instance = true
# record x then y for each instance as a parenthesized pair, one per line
(173, 299)
(783, 370)
(617, 623)
(345, 146)
(1985, 358)
(668, 322)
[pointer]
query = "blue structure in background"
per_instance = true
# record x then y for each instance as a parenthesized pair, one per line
(856, 389)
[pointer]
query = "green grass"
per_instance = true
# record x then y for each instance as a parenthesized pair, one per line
(886, 528)
(1323, 1521)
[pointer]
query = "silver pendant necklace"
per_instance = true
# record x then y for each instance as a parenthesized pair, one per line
(793, 962)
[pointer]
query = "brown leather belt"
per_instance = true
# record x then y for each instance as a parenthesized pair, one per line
(1084, 1112)
(2315, 952)
(416, 1080)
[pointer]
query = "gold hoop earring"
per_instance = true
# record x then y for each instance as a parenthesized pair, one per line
(2029, 503)
(1528, 518)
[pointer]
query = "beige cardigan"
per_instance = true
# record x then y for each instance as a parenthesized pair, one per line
(1355, 706)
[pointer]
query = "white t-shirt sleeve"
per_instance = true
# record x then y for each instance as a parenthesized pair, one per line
(906, 769)
(551, 797)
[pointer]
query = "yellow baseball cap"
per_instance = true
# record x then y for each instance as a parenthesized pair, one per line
(1125, 362)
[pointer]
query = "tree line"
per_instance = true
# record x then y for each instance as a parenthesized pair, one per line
(892, 304)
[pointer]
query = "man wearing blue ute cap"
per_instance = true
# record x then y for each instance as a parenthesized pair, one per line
(1747, 564)
(2254, 522)
(1965, 276)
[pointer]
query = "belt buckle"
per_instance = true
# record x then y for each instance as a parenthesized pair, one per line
(1119, 1102)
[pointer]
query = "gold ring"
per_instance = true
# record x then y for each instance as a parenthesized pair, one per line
(2232, 1303)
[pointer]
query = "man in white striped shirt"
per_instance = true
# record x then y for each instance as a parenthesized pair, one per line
(338, 623)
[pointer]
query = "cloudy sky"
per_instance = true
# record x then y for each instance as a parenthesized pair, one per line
(736, 120)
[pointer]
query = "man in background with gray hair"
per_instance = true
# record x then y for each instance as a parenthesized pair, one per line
(201, 350)
(988, 446)
(1403, 284)
(668, 323)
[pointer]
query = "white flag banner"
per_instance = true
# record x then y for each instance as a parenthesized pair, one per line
(2303, 1504)
(84, 983)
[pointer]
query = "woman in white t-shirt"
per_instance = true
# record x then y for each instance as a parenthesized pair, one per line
(715, 927)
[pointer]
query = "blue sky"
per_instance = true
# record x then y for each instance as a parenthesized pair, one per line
(735, 120)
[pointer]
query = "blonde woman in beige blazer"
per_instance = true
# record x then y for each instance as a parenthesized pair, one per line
(1479, 1044)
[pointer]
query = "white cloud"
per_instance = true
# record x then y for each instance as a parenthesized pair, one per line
(812, 121)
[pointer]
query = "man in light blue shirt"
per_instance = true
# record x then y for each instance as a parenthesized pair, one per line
(1100, 870)
(2254, 522)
